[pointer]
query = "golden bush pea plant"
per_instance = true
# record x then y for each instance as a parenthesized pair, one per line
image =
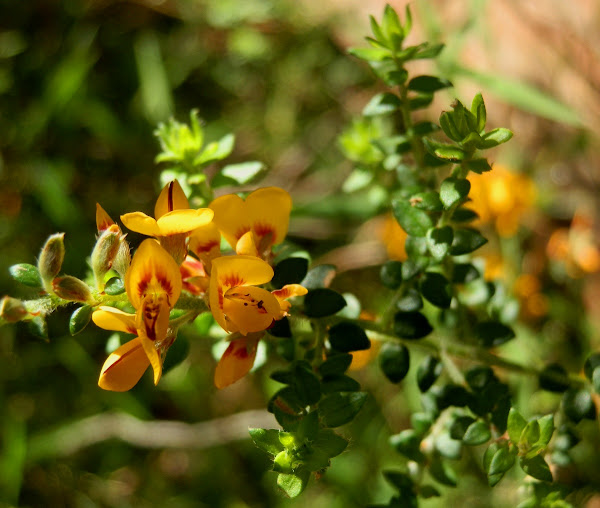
(228, 260)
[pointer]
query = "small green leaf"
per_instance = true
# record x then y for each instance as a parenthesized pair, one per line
(443, 472)
(530, 435)
(462, 214)
(319, 277)
(371, 54)
(427, 50)
(546, 424)
(346, 337)
(428, 84)
(479, 111)
(330, 443)
(464, 273)
(421, 423)
(454, 191)
(394, 360)
(419, 100)
(411, 325)
(382, 104)
(391, 274)
(293, 484)
(80, 319)
(436, 289)
(267, 440)
(466, 240)
(477, 433)
(413, 220)
(444, 151)
(429, 201)
(114, 286)
(323, 302)
(26, 274)
(536, 467)
(408, 444)
(306, 385)
(340, 408)
(449, 127)
(289, 271)
(554, 378)
(502, 461)
(411, 301)
(515, 425)
(429, 370)
(459, 426)
(339, 384)
(478, 166)
(479, 377)
(493, 333)
(335, 365)
(242, 173)
(578, 404)
(496, 137)
(439, 241)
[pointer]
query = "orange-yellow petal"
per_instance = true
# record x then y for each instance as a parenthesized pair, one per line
(141, 223)
(110, 318)
(103, 220)
(236, 362)
(270, 209)
(231, 217)
(250, 309)
(288, 291)
(246, 245)
(152, 270)
(183, 221)
(205, 238)
(152, 356)
(170, 198)
(124, 367)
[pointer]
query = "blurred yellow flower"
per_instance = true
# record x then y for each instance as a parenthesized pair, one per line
(502, 197)
(393, 237)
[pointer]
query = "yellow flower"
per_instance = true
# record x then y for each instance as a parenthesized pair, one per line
(236, 304)
(205, 243)
(237, 360)
(174, 220)
(502, 197)
(394, 238)
(153, 284)
(254, 225)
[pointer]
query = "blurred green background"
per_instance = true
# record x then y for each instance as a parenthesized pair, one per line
(83, 85)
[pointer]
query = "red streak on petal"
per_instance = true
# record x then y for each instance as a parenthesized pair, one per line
(170, 197)
(122, 357)
(240, 352)
(282, 293)
(232, 281)
(142, 285)
(263, 229)
(165, 283)
(206, 247)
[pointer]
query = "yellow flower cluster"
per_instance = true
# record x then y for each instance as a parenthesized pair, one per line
(161, 269)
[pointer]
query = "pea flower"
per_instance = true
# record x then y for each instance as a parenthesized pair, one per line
(111, 250)
(174, 220)
(252, 226)
(153, 285)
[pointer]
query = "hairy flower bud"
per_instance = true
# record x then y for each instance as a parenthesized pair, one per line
(71, 288)
(104, 253)
(123, 258)
(12, 310)
(51, 259)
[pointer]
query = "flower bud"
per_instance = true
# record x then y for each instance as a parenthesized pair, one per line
(123, 258)
(12, 310)
(72, 289)
(104, 253)
(51, 258)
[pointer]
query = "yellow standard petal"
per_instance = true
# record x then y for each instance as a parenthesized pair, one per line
(231, 217)
(270, 209)
(141, 223)
(124, 367)
(232, 271)
(152, 271)
(183, 221)
(250, 309)
(110, 318)
(236, 362)
(170, 198)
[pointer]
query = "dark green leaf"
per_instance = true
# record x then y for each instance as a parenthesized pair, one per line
(453, 191)
(452, 395)
(493, 333)
(410, 302)
(466, 240)
(289, 271)
(306, 385)
(408, 444)
(281, 328)
(381, 104)
(436, 289)
(339, 384)
(26, 274)
(501, 462)
(319, 277)
(496, 137)
(308, 427)
(330, 443)
(412, 267)
(554, 378)
(459, 426)
(114, 286)
(80, 319)
(444, 151)
(402, 482)
(443, 472)
(420, 100)
(578, 404)
(411, 325)
(464, 273)
(293, 484)
(391, 274)
(566, 438)
(429, 201)
(478, 166)
(267, 440)
(346, 337)
(323, 302)
(335, 365)
(428, 372)
(340, 408)
(464, 215)
(480, 377)
(439, 241)
(428, 84)
(424, 128)
(413, 220)
(536, 467)
(394, 360)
